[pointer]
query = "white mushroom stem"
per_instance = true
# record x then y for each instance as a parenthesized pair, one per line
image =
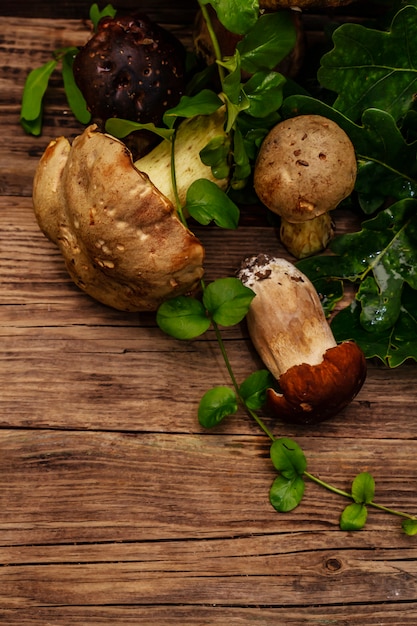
(304, 239)
(286, 321)
(192, 136)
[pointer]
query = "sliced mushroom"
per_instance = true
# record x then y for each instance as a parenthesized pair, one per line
(317, 377)
(121, 238)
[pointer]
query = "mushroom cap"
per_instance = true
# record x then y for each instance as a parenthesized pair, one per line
(312, 393)
(121, 239)
(130, 68)
(305, 167)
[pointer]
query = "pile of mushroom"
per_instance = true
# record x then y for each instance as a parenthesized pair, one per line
(316, 377)
(305, 167)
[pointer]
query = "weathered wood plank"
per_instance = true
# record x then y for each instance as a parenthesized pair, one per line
(400, 614)
(63, 487)
(197, 574)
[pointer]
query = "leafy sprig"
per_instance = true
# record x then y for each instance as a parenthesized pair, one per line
(37, 83)
(225, 302)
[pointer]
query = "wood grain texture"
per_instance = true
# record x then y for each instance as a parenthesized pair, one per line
(116, 507)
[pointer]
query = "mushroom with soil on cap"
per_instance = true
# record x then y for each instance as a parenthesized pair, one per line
(316, 377)
(305, 167)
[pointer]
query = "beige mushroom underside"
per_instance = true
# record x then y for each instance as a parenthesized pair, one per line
(120, 237)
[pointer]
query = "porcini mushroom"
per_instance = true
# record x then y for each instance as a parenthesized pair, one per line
(305, 167)
(316, 376)
(130, 68)
(121, 238)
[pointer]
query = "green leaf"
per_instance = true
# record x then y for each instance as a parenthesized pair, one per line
(264, 93)
(372, 68)
(288, 458)
(235, 15)
(216, 155)
(409, 526)
(381, 256)
(121, 128)
(75, 98)
(353, 517)
(203, 103)
(286, 493)
(33, 92)
(215, 405)
(330, 292)
(253, 389)
(271, 38)
(96, 15)
(206, 202)
(183, 318)
(363, 488)
(227, 300)
(242, 166)
(392, 346)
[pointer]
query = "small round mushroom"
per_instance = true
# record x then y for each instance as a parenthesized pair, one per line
(316, 376)
(305, 167)
(130, 68)
(121, 238)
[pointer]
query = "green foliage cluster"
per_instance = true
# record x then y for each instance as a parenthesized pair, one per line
(373, 73)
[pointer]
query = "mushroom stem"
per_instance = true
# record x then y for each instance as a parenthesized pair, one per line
(317, 377)
(192, 136)
(304, 239)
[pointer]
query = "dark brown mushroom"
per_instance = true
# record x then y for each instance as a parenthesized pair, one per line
(131, 68)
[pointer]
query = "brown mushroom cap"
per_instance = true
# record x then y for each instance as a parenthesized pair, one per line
(130, 68)
(120, 237)
(305, 167)
(312, 393)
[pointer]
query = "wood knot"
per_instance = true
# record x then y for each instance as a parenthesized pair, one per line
(333, 564)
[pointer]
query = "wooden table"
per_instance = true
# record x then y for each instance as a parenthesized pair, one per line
(116, 506)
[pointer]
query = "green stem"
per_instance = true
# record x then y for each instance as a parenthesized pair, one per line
(213, 37)
(174, 183)
(348, 495)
